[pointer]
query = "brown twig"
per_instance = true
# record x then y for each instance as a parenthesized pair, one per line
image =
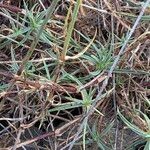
(56, 133)
(36, 85)
(14, 9)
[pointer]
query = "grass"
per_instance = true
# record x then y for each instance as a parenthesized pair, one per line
(72, 73)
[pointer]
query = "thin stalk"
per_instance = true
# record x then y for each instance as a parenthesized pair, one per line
(70, 30)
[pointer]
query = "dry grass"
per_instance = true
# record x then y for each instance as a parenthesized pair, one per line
(74, 74)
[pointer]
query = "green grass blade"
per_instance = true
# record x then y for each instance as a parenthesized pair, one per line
(70, 30)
